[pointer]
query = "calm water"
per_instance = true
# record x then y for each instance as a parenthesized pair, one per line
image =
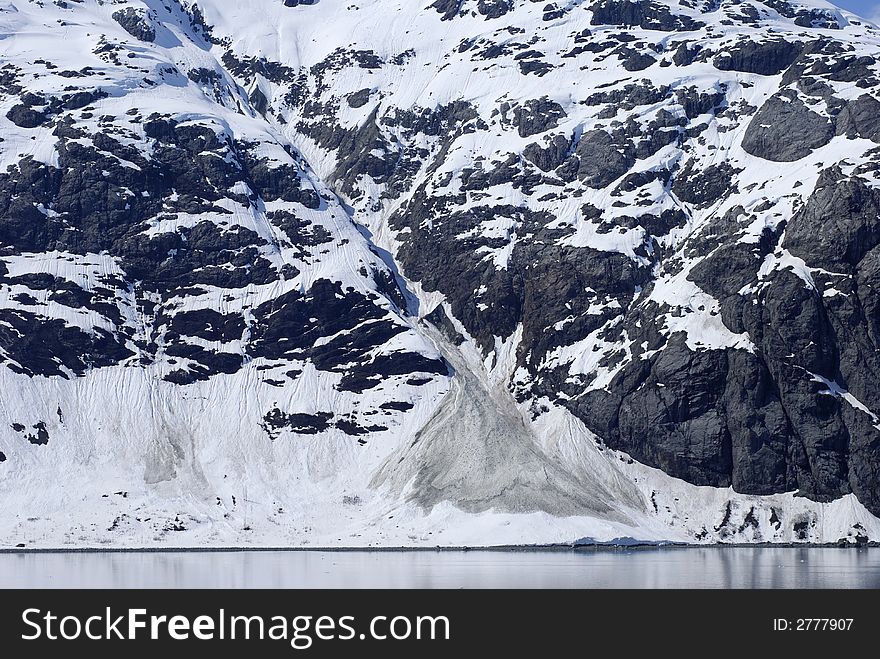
(591, 568)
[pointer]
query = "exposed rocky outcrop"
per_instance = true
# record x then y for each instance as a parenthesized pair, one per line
(860, 118)
(136, 22)
(764, 57)
(785, 129)
(642, 13)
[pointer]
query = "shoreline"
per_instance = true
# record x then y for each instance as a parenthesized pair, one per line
(439, 549)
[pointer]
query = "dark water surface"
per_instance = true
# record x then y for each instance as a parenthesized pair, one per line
(711, 567)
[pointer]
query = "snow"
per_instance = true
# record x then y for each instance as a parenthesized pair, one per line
(837, 391)
(698, 314)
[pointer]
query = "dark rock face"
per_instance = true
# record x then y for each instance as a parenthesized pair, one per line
(539, 287)
(684, 411)
(645, 14)
(764, 57)
(359, 98)
(40, 436)
(805, 16)
(494, 8)
(40, 347)
(601, 159)
(860, 118)
(299, 423)
(368, 153)
(785, 130)
(287, 328)
(685, 55)
(25, 117)
(752, 421)
(302, 424)
(441, 321)
(629, 96)
(136, 23)
(537, 116)
(448, 8)
(838, 226)
(772, 419)
(549, 157)
(703, 188)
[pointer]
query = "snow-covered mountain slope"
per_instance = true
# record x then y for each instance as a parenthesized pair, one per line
(471, 272)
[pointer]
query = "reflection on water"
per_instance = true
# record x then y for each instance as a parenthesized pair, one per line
(711, 567)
